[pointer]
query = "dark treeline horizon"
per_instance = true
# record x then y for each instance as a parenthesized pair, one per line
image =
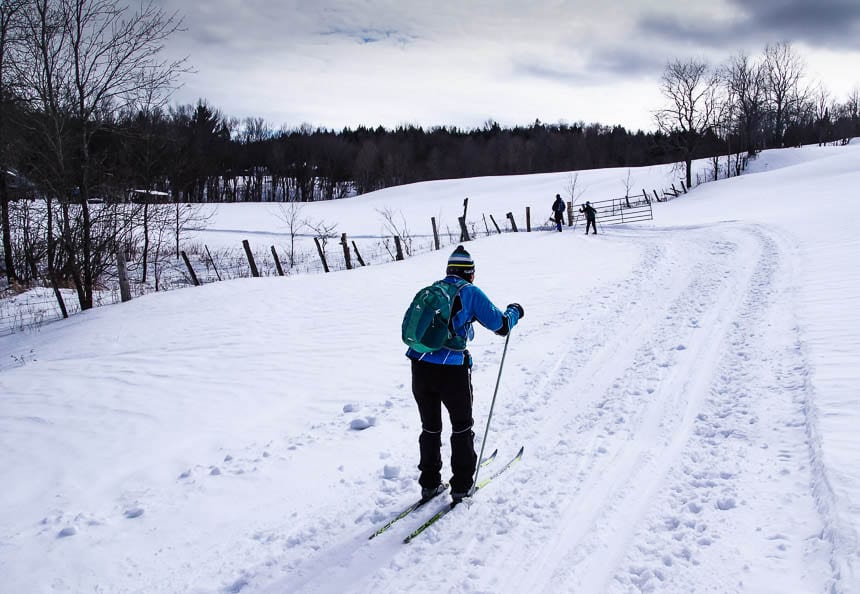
(196, 154)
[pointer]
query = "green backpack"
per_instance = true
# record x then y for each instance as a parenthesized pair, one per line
(427, 322)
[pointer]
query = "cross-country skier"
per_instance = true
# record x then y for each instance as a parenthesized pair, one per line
(558, 211)
(444, 377)
(590, 217)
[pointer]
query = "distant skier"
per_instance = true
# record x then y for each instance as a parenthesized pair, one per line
(590, 217)
(444, 376)
(558, 211)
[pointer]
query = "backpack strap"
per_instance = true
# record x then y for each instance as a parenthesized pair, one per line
(456, 305)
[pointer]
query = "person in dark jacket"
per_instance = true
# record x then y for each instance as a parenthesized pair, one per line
(590, 217)
(444, 377)
(558, 211)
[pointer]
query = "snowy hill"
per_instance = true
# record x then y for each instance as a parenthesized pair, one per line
(685, 391)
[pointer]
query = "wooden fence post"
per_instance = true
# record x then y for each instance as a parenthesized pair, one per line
(495, 224)
(211, 261)
(510, 216)
(190, 269)
(321, 253)
(683, 187)
(59, 296)
(464, 233)
(656, 195)
(358, 255)
(277, 262)
(645, 195)
(569, 213)
(528, 219)
(674, 191)
(346, 255)
(254, 272)
(122, 272)
(485, 223)
(435, 233)
(398, 247)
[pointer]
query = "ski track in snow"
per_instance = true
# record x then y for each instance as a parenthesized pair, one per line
(641, 415)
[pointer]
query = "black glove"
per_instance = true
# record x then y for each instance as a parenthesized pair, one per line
(519, 309)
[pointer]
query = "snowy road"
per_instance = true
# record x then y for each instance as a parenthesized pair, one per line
(647, 408)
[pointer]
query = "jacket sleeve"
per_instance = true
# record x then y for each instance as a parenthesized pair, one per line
(479, 306)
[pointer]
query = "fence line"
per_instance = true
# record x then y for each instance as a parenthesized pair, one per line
(198, 265)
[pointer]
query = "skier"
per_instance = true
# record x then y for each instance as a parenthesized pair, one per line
(590, 214)
(558, 211)
(444, 377)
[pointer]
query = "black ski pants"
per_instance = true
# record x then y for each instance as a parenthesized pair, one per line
(435, 385)
(590, 223)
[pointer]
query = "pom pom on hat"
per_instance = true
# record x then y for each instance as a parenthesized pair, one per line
(460, 262)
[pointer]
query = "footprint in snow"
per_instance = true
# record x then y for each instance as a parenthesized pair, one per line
(133, 512)
(361, 424)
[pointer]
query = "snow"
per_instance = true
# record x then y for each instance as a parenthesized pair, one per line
(685, 390)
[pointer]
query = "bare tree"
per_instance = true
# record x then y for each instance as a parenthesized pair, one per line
(397, 228)
(323, 231)
(784, 69)
(291, 215)
(822, 101)
(690, 89)
(852, 106)
(253, 131)
(628, 184)
(10, 32)
(88, 61)
(746, 80)
(573, 190)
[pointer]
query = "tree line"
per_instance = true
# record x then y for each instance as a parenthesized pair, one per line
(86, 128)
(750, 103)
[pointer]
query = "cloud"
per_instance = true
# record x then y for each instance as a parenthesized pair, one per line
(602, 65)
(627, 61)
(824, 23)
(334, 62)
(371, 35)
(530, 67)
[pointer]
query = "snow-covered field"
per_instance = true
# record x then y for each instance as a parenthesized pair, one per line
(686, 391)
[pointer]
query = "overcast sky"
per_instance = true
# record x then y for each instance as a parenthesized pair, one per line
(462, 62)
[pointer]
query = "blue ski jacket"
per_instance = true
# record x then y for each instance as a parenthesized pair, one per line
(475, 306)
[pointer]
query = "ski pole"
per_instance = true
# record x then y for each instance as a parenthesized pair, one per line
(490, 416)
